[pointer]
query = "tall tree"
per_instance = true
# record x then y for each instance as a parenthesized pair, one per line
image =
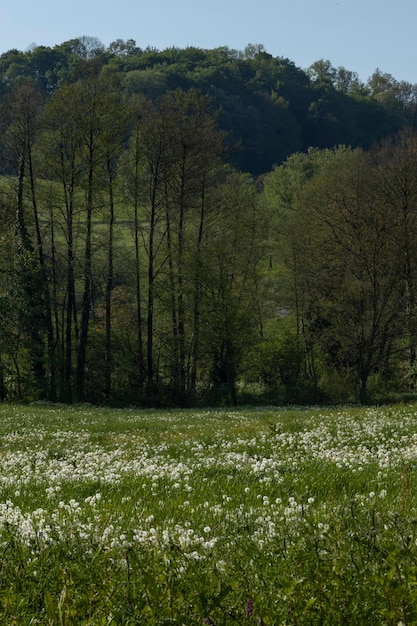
(359, 296)
(339, 235)
(22, 113)
(395, 165)
(62, 157)
(133, 183)
(180, 147)
(292, 244)
(194, 148)
(96, 109)
(149, 172)
(115, 132)
(229, 290)
(84, 136)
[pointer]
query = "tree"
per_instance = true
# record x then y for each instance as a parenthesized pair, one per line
(230, 285)
(84, 131)
(119, 47)
(323, 74)
(113, 141)
(95, 121)
(337, 232)
(145, 188)
(86, 47)
(177, 166)
(292, 243)
(131, 185)
(62, 158)
(8, 321)
(22, 115)
(193, 151)
(358, 297)
(395, 165)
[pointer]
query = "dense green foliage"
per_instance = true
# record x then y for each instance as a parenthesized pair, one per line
(142, 263)
(218, 517)
(266, 104)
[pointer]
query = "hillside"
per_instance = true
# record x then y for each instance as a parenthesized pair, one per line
(269, 107)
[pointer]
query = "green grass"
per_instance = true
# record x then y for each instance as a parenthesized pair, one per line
(235, 517)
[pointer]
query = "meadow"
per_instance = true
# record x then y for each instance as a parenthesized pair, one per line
(259, 516)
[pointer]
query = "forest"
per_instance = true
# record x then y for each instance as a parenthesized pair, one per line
(199, 227)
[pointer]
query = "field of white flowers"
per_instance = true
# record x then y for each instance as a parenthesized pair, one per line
(255, 516)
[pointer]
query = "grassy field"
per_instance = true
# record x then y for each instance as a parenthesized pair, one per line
(260, 516)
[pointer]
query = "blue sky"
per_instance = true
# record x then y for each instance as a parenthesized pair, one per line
(361, 35)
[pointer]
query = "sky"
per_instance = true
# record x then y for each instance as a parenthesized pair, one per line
(360, 35)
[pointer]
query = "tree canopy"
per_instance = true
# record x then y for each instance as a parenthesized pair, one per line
(267, 105)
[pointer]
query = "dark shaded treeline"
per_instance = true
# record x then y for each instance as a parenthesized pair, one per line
(129, 247)
(142, 263)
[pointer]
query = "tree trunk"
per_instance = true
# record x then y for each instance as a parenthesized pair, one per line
(43, 295)
(150, 388)
(139, 330)
(363, 391)
(109, 289)
(196, 308)
(174, 316)
(86, 299)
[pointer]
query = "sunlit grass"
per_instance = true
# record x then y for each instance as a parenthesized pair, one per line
(258, 516)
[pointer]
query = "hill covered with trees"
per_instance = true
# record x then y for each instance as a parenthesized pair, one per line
(267, 106)
(203, 226)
